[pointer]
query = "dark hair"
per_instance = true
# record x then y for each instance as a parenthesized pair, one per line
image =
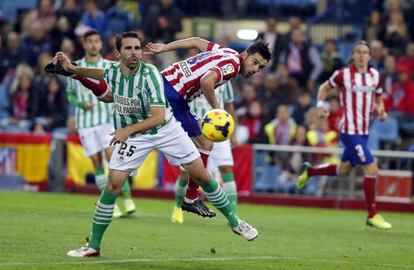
(126, 34)
(90, 32)
(259, 46)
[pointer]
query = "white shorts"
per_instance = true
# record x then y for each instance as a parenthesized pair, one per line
(220, 155)
(171, 140)
(96, 139)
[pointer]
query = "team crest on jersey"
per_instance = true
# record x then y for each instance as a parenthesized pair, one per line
(227, 69)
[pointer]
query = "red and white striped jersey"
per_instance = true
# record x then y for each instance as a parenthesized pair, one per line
(357, 96)
(185, 75)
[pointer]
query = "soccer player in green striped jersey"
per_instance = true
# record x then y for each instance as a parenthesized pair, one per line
(143, 121)
(220, 159)
(94, 118)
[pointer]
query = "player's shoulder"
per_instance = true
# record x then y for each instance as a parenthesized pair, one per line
(148, 69)
(373, 71)
(107, 62)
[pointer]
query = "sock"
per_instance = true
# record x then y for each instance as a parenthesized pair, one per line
(192, 190)
(229, 187)
(98, 87)
(216, 196)
(324, 169)
(126, 190)
(100, 179)
(102, 218)
(180, 190)
(369, 191)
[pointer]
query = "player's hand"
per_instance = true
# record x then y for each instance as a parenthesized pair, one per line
(156, 47)
(88, 106)
(120, 135)
(323, 112)
(62, 60)
(233, 140)
(382, 115)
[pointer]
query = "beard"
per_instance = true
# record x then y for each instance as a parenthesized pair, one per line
(132, 63)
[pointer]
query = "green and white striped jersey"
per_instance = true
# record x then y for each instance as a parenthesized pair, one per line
(224, 94)
(136, 94)
(101, 112)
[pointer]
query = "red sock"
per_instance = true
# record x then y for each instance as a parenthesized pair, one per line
(324, 169)
(369, 191)
(192, 190)
(98, 87)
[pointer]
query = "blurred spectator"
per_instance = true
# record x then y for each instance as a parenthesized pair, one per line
(118, 20)
(374, 29)
(71, 12)
(303, 104)
(35, 44)
(44, 15)
(269, 95)
(52, 107)
(331, 60)
(377, 55)
(162, 24)
(335, 113)
(408, 58)
(281, 130)
(111, 48)
(402, 96)
(396, 35)
(275, 40)
(68, 47)
(311, 118)
(254, 122)
(62, 31)
(303, 60)
(93, 17)
(10, 55)
(389, 75)
(21, 95)
(248, 96)
(287, 86)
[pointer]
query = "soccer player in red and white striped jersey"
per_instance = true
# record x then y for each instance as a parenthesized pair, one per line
(201, 74)
(360, 89)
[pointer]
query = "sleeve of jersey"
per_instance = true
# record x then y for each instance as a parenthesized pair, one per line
(336, 80)
(228, 93)
(211, 46)
(155, 88)
(72, 97)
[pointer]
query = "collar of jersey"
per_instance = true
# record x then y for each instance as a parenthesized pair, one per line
(133, 74)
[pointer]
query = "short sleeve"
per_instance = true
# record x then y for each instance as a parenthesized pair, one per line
(155, 90)
(336, 80)
(213, 46)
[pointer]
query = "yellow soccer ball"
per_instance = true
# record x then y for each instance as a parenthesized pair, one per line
(217, 125)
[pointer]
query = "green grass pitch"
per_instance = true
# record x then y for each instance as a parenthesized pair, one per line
(37, 230)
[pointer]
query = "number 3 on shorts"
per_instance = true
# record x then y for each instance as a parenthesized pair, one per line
(360, 152)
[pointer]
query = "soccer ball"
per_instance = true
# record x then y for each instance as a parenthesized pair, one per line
(217, 125)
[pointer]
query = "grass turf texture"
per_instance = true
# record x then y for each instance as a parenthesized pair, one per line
(37, 230)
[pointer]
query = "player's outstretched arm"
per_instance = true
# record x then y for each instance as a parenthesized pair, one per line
(156, 119)
(64, 61)
(194, 42)
(322, 94)
(208, 84)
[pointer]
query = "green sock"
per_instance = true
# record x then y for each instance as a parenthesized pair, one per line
(229, 187)
(180, 190)
(102, 218)
(100, 178)
(126, 190)
(216, 196)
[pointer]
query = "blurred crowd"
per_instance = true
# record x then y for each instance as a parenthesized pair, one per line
(275, 106)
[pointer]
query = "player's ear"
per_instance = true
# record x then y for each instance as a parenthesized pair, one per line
(118, 55)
